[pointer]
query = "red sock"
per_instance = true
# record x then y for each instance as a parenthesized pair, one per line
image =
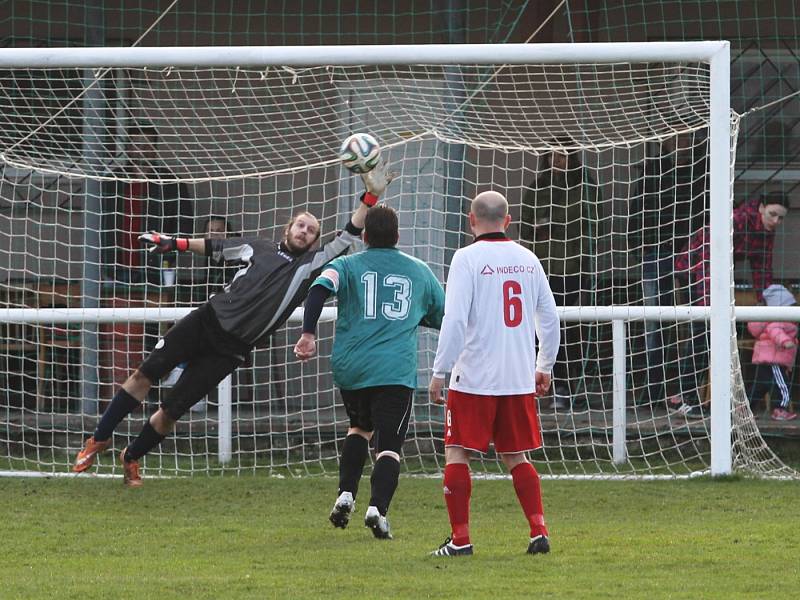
(457, 491)
(529, 492)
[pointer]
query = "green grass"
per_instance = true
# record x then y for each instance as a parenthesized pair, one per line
(261, 537)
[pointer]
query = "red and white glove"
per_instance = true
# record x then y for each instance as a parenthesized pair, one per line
(161, 244)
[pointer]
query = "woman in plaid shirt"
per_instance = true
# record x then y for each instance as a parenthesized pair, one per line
(754, 225)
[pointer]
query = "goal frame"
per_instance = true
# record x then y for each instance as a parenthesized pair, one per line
(716, 54)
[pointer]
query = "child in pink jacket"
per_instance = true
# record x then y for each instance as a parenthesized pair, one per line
(774, 353)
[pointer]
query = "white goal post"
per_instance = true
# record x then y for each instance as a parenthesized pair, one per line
(251, 132)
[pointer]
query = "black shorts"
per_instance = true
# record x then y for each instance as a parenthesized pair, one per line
(210, 355)
(384, 409)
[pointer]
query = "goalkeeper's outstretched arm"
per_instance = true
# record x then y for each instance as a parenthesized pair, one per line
(162, 244)
(375, 182)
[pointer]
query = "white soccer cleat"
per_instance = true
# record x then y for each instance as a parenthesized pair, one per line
(377, 523)
(342, 509)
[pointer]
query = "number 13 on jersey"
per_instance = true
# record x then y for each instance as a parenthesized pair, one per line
(397, 310)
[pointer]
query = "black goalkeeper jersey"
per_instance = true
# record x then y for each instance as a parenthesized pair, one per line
(273, 282)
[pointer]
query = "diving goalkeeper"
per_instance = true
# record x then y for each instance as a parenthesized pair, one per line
(215, 338)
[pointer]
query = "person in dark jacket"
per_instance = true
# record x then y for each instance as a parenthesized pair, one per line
(559, 223)
(144, 196)
(670, 205)
(215, 338)
(212, 278)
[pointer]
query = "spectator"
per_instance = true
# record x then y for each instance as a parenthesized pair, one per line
(383, 297)
(136, 202)
(669, 207)
(497, 306)
(755, 223)
(558, 221)
(217, 272)
(774, 354)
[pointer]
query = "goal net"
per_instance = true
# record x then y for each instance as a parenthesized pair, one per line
(606, 165)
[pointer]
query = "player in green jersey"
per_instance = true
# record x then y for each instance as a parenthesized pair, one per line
(383, 296)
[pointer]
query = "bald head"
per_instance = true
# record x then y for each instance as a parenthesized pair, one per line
(490, 207)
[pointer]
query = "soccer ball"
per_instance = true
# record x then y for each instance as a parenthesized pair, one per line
(360, 153)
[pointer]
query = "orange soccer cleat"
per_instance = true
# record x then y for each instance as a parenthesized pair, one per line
(130, 471)
(85, 458)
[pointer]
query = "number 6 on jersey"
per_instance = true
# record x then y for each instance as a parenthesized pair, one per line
(512, 303)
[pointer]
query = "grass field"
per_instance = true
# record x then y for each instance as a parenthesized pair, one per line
(261, 537)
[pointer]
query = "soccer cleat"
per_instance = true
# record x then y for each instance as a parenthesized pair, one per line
(85, 458)
(781, 414)
(340, 515)
(539, 545)
(130, 471)
(448, 548)
(377, 523)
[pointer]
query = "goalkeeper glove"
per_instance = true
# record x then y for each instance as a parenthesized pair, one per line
(376, 181)
(161, 244)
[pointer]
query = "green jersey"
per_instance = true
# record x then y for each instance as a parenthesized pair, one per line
(383, 296)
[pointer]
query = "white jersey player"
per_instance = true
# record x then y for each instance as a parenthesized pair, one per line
(498, 303)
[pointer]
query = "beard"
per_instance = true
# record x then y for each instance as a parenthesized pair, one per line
(297, 247)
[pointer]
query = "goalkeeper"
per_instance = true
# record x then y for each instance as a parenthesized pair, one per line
(215, 338)
(384, 295)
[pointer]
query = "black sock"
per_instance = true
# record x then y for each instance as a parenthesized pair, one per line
(121, 405)
(384, 482)
(148, 439)
(351, 464)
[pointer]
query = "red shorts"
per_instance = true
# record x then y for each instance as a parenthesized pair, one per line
(473, 420)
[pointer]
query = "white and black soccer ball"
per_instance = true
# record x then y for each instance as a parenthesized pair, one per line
(360, 153)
